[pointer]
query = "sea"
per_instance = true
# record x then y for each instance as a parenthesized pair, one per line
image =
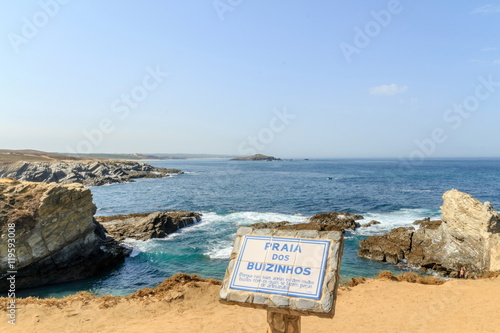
(231, 194)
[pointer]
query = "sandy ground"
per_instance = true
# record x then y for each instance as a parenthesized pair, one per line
(375, 306)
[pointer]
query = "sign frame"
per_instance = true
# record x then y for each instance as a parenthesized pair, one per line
(308, 258)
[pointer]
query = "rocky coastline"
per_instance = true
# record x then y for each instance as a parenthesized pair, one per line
(57, 239)
(55, 235)
(88, 173)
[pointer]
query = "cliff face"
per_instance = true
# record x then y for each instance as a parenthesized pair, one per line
(468, 236)
(472, 231)
(89, 173)
(56, 236)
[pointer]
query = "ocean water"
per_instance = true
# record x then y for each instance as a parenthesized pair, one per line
(230, 194)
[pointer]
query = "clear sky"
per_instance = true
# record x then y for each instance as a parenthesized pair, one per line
(409, 79)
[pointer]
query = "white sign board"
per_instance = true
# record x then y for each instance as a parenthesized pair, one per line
(293, 272)
(284, 266)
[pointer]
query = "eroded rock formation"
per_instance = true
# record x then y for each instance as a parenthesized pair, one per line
(468, 236)
(338, 220)
(149, 225)
(88, 173)
(56, 237)
(334, 221)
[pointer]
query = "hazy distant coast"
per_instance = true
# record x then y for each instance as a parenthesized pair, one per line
(31, 155)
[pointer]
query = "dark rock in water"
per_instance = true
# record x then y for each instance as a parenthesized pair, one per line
(88, 173)
(56, 237)
(285, 225)
(334, 216)
(339, 220)
(369, 224)
(334, 221)
(149, 225)
(390, 247)
(419, 222)
(271, 225)
(468, 236)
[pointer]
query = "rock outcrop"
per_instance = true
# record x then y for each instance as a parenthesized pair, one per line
(468, 236)
(149, 225)
(334, 221)
(391, 247)
(338, 220)
(371, 223)
(55, 236)
(88, 173)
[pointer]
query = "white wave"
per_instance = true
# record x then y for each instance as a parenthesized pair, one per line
(137, 245)
(416, 191)
(243, 218)
(222, 249)
(223, 253)
(401, 218)
(214, 225)
(219, 243)
(135, 252)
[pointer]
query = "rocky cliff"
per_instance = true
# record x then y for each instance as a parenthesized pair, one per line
(149, 225)
(88, 173)
(468, 236)
(55, 235)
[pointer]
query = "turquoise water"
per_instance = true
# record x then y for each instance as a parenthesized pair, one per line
(231, 194)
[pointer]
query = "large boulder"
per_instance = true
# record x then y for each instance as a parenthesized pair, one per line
(149, 225)
(55, 236)
(468, 236)
(391, 247)
(472, 231)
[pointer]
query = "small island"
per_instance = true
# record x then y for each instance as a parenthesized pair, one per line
(257, 157)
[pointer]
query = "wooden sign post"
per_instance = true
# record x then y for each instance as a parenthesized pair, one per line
(290, 273)
(282, 323)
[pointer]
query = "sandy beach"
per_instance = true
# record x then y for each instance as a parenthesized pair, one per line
(193, 306)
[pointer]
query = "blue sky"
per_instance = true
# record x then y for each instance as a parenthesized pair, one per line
(285, 78)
